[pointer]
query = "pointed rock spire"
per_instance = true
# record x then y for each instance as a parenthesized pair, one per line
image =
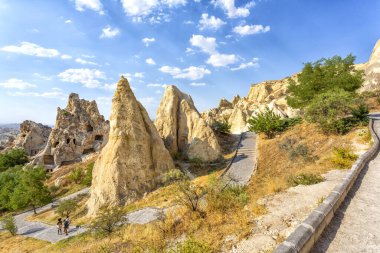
(134, 159)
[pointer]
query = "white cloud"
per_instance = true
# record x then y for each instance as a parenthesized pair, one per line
(32, 49)
(147, 41)
(206, 44)
(110, 87)
(139, 75)
(48, 78)
(252, 64)
(192, 73)
(49, 94)
(81, 61)
(130, 76)
(231, 10)
(14, 83)
(68, 21)
(66, 57)
(244, 30)
(88, 77)
(212, 22)
(140, 8)
(156, 85)
(222, 60)
(95, 5)
(109, 32)
(198, 84)
(150, 61)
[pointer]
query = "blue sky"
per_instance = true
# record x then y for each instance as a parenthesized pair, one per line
(209, 49)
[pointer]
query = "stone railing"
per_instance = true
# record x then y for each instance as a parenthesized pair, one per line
(309, 231)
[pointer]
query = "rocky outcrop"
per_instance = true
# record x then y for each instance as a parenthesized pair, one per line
(7, 138)
(79, 130)
(225, 104)
(183, 129)
(270, 94)
(32, 137)
(134, 158)
(372, 70)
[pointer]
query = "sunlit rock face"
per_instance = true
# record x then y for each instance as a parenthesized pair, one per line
(183, 129)
(79, 130)
(33, 137)
(372, 70)
(134, 159)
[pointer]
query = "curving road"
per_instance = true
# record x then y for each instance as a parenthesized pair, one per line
(244, 164)
(356, 225)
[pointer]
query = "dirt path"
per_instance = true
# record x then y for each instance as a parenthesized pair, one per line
(356, 226)
(243, 166)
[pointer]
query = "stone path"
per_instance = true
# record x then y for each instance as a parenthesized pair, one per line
(356, 225)
(43, 231)
(244, 164)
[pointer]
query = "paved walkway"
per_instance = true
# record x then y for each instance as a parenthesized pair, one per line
(244, 164)
(356, 225)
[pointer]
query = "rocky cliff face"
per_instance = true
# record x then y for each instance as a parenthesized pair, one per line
(79, 130)
(183, 129)
(372, 70)
(32, 137)
(270, 94)
(134, 158)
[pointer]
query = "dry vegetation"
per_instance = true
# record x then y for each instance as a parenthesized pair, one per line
(212, 225)
(283, 159)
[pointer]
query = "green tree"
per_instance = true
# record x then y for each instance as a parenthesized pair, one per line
(12, 158)
(191, 195)
(8, 223)
(76, 175)
(108, 221)
(332, 111)
(322, 76)
(31, 190)
(87, 179)
(66, 207)
(8, 182)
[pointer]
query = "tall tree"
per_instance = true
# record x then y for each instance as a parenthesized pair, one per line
(31, 190)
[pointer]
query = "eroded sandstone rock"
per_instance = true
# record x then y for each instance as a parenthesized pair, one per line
(183, 129)
(134, 159)
(79, 130)
(32, 137)
(372, 70)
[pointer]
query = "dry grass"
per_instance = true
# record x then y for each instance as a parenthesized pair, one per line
(275, 167)
(17, 244)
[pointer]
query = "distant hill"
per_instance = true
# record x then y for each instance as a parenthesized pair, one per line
(11, 125)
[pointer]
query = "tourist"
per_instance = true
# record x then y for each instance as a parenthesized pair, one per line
(66, 224)
(59, 226)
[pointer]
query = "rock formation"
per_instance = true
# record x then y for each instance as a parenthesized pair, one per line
(79, 130)
(270, 94)
(32, 137)
(183, 129)
(134, 158)
(372, 70)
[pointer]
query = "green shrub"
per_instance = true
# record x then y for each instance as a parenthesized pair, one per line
(108, 221)
(343, 157)
(296, 151)
(66, 207)
(87, 179)
(270, 123)
(196, 162)
(305, 179)
(12, 158)
(222, 127)
(221, 197)
(8, 223)
(76, 175)
(172, 176)
(191, 245)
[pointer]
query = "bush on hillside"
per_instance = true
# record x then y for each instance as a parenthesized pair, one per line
(323, 76)
(172, 176)
(66, 207)
(190, 195)
(108, 221)
(337, 111)
(305, 179)
(76, 175)
(191, 245)
(8, 223)
(221, 127)
(270, 123)
(343, 157)
(87, 179)
(12, 158)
